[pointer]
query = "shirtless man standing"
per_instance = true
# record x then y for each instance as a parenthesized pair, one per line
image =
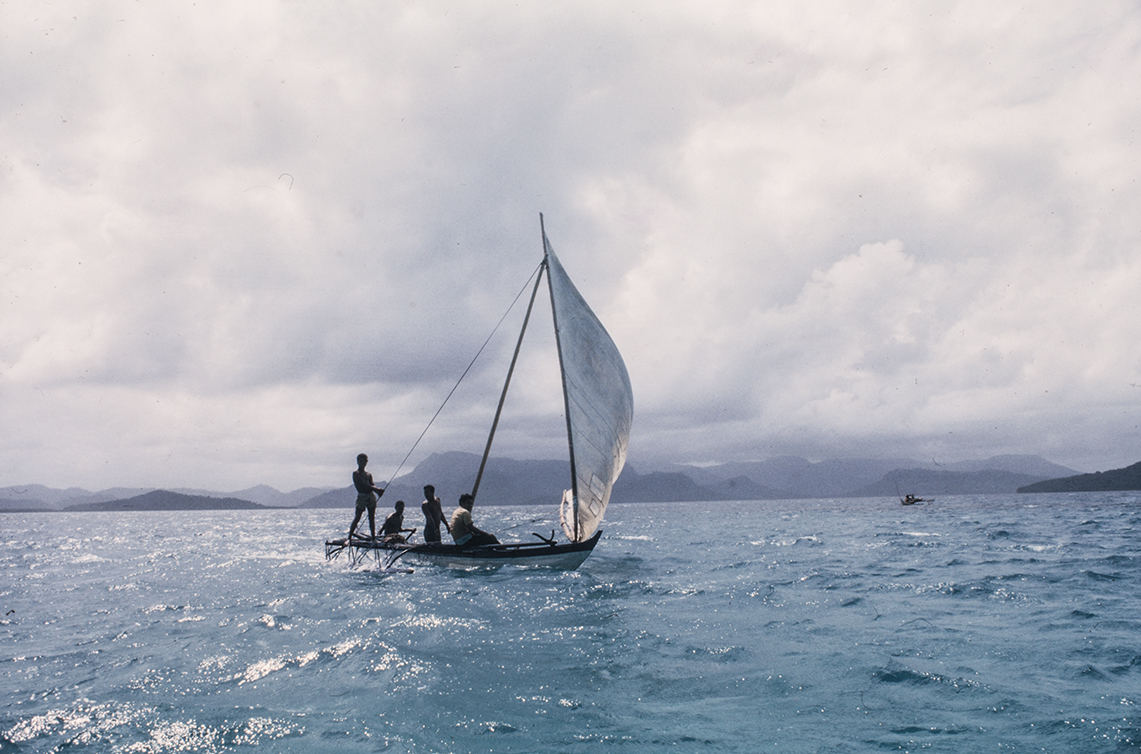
(367, 495)
(433, 515)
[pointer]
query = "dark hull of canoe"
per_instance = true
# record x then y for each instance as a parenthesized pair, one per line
(562, 556)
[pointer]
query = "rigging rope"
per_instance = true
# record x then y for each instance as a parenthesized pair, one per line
(461, 379)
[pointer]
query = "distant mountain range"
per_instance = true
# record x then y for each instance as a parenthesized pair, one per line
(508, 481)
(539, 482)
(505, 481)
(37, 497)
(795, 477)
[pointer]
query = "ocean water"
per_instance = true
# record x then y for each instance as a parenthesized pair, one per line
(972, 624)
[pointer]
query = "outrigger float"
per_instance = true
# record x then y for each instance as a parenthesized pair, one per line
(599, 410)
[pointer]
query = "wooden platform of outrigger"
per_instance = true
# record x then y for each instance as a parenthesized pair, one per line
(546, 554)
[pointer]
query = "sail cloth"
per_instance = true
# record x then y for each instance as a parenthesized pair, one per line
(599, 403)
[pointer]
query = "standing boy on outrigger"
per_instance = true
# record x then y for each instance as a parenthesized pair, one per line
(367, 495)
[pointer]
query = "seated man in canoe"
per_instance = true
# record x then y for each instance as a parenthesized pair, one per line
(393, 530)
(464, 532)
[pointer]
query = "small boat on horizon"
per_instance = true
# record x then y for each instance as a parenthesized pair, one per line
(912, 500)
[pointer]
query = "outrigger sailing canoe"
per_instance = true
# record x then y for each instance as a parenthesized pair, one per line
(599, 408)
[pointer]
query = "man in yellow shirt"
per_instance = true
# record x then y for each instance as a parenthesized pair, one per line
(464, 532)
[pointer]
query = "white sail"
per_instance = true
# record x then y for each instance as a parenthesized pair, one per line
(599, 403)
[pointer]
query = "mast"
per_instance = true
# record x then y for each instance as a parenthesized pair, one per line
(563, 377)
(507, 382)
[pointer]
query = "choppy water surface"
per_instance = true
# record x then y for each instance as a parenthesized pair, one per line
(971, 624)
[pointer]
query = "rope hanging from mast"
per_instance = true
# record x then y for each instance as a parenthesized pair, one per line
(538, 270)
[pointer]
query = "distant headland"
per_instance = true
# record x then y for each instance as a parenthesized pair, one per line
(1117, 480)
(165, 500)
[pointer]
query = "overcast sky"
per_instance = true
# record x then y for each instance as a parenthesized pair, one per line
(242, 242)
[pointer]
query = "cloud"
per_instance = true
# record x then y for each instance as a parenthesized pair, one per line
(821, 228)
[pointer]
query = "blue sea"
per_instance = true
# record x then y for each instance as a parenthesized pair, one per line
(970, 624)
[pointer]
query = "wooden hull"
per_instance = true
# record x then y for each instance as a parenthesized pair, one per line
(565, 556)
